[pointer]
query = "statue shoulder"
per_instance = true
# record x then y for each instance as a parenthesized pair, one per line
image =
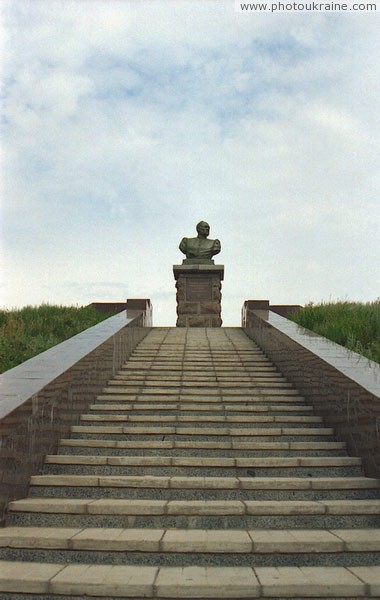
(183, 244)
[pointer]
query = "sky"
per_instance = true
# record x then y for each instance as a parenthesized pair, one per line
(125, 122)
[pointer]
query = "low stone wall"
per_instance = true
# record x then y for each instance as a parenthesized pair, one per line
(41, 398)
(343, 386)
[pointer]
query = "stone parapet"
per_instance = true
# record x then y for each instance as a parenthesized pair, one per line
(133, 306)
(198, 295)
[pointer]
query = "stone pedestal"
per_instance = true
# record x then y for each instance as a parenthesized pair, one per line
(198, 295)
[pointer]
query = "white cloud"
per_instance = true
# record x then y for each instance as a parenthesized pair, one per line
(127, 122)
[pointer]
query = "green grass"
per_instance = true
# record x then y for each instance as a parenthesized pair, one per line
(354, 325)
(33, 329)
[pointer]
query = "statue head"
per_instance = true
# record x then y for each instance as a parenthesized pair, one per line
(203, 229)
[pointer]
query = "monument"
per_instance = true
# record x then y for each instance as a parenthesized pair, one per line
(199, 281)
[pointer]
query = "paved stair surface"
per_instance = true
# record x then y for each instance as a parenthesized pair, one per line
(198, 472)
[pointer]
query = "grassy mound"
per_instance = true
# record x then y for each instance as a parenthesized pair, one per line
(33, 329)
(354, 325)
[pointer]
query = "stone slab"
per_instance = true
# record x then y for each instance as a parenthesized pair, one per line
(295, 541)
(22, 576)
(369, 576)
(201, 540)
(308, 582)
(358, 540)
(207, 582)
(205, 507)
(127, 507)
(117, 539)
(104, 580)
(37, 537)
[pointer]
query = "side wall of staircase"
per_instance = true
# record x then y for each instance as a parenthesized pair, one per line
(342, 386)
(43, 397)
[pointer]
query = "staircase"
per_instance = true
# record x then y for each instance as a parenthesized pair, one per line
(199, 472)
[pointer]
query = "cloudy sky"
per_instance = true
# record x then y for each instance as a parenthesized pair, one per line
(126, 122)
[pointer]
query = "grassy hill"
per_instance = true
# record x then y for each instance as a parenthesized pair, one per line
(33, 329)
(27, 332)
(354, 325)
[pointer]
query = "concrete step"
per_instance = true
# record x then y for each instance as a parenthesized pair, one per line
(191, 582)
(278, 462)
(259, 397)
(201, 546)
(187, 408)
(259, 390)
(204, 466)
(200, 383)
(199, 379)
(204, 488)
(200, 364)
(181, 350)
(206, 359)
(205, 448)
(198, 350)
(141, 368)
(232, 376)
(198, 359)
(194, 514)
(214, 420)
(248, 399)
(221, 433)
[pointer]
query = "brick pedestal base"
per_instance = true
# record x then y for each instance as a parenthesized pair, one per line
(198, 295)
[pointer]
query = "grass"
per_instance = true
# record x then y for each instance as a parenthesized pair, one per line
(354, 325)
(26, 332)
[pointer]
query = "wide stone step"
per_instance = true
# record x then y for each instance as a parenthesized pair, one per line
(149, 394)
(201, 546)
(198, 360)
(203, 466)
(206, 375)
(154, 380)
(204, 488)
(237, 420)
(180, 461)
(249, 399)
(179, 376)
(191, 582)
(199, 349)
(193, 514)
(202, 382)
(221, 433)
(248, 391)
(194, 448)
(151, 368)
(219, 348)
(206, 363)
(202, 358)
(187, 408)
(259, 369)
(175, 350)
(182, 350)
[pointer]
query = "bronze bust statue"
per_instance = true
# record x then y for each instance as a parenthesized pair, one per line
(200, 250)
